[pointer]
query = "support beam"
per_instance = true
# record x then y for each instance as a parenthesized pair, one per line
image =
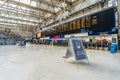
(8, 18)
(13, 25)
(20, 14)
(66, 1)
(48, 3)
(18, 24)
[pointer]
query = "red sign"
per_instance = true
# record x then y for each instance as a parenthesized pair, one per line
(56, 37)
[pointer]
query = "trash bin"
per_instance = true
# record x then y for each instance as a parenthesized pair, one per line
(113, 48)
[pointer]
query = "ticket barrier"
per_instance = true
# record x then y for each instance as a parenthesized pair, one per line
(55, 42)
(45, 41)
(2, 42)
(7, 41)
(96, 46)
(48, 41)
(10, 42)
(33, 41)
(60, 42)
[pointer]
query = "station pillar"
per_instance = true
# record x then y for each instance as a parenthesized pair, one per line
(118, 9)
(119, 14)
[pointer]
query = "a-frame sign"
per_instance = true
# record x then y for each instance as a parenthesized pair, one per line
(76, 49)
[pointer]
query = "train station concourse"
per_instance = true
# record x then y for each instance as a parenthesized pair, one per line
(59, 39)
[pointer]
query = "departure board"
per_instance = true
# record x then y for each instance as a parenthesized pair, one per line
(67, 26)
(82, 22)
(64, 28)
(87, 21)
(94, 20)
(71, 25)
(74, 25)
(60, 28)
(99, 21)
(78, 24)
(57, 29)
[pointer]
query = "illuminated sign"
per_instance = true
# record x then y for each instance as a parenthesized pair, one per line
(71, 26)
(87, 21)
(94, 20)
(82, 22)
(39, 35)
(74, 25)
(57, 37)
(78, 24)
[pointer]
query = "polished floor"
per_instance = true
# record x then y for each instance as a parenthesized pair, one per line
(43, 62)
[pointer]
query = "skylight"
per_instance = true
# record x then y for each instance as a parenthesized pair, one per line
(29, 2)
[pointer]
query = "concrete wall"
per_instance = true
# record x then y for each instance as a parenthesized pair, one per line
(119, 14)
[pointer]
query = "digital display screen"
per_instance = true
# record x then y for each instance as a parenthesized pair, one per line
(78, 24)
(87, 21)
(74, 25)
(60, 28)
(57, 29)
(98, 22)
(67, 26)
(82, 22)
(39, 35)
(64, 27)
(103, 21)
(94, 19)
(71, 26)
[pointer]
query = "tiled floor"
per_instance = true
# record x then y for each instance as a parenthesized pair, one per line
(42, 62)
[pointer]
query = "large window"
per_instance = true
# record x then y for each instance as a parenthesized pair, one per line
(112, 3)
(30, 2)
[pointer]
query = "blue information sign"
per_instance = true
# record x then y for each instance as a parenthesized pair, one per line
(76, 49)
(79, 49)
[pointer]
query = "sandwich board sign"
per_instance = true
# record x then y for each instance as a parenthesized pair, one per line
(76, 49)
